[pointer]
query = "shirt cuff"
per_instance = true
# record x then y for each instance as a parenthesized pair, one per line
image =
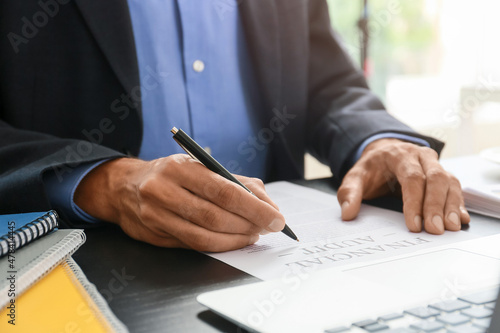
(388, 135)
(61, 192)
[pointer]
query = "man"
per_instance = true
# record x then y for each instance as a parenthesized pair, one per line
(89, 85)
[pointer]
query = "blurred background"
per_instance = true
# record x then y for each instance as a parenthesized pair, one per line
(434, 63)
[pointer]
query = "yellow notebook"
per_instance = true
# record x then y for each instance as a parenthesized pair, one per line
(42, 289)
(60, 302)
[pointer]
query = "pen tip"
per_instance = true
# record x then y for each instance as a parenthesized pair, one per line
(174, 130)
(297, 240)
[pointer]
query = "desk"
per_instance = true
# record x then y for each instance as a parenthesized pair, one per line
(153, 289)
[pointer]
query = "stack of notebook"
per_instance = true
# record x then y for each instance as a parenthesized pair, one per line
(42, 289)
(483, 200)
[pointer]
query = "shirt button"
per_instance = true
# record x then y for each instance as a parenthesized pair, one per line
(198, 66)
(208, 150)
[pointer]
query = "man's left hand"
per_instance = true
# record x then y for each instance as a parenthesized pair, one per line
(431, 196)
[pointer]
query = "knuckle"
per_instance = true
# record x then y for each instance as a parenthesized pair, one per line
(454, 181)
(359, 171)
(254, 184)
(343, 191)
(211, 219)
(388, 152)
(174, 164)
(145, 214)
(372, 162)
(258, 182)
(375, 156)
(435, 174)
(253, 230)
(402, 149)
(146, 188)
(180, 161)
(415, 176)
(186, 211)
(431, 152)
(432, 208)
(177, 158)
(227, 194)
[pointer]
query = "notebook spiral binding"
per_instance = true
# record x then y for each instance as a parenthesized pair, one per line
(34, 271)
(104, 315)
(29, 232)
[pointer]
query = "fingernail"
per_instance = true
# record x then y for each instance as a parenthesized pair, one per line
(276, 225)
(253, 239)
(437, 221)
(453, 217)
(264, 232)
(417, 222)
(344, 205)
(463, 210)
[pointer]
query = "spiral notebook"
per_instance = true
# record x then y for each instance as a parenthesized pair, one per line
(17, 230)
(43, 290)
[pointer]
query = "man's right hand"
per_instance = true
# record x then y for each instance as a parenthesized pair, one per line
(177, 202)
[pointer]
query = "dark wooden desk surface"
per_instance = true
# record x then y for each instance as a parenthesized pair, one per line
(152, 289)
(159, 289)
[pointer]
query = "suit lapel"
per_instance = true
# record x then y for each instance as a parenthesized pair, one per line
(262, 32)
(110, 23)
(260, 24)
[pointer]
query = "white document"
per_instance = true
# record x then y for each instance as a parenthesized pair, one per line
(325, 240)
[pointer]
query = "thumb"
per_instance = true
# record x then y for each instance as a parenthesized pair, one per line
(349, 195)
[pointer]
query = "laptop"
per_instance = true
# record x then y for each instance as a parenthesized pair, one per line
(451, 288)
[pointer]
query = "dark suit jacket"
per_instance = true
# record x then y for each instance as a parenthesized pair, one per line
(68, 68)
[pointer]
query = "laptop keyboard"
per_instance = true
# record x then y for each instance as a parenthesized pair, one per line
(468, 314)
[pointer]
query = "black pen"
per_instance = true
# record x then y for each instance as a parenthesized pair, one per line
(196, 152)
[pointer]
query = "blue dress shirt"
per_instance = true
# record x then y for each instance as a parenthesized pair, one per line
(208, 89)
(203, 84)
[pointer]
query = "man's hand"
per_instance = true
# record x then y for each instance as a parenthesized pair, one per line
(429, 193)
(177, 202)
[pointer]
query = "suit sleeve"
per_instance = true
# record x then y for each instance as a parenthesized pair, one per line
(343, 112)
(26, 155)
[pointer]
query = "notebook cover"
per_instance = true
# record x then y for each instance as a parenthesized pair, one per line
(30, 263)
(17, 230)
(62, 301)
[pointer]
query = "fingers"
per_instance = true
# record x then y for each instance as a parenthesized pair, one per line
(350, 194)
(444, 206)
(413, 185)
(430, 194)
(436, 200)
(432, 197)
(235, 199)
(202, 239)
(178, 232)
(180, 203)
(453, 214)
(257, 187)
(464, 214)
(208, 215)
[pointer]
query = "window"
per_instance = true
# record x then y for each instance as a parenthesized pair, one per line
(435, 64)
